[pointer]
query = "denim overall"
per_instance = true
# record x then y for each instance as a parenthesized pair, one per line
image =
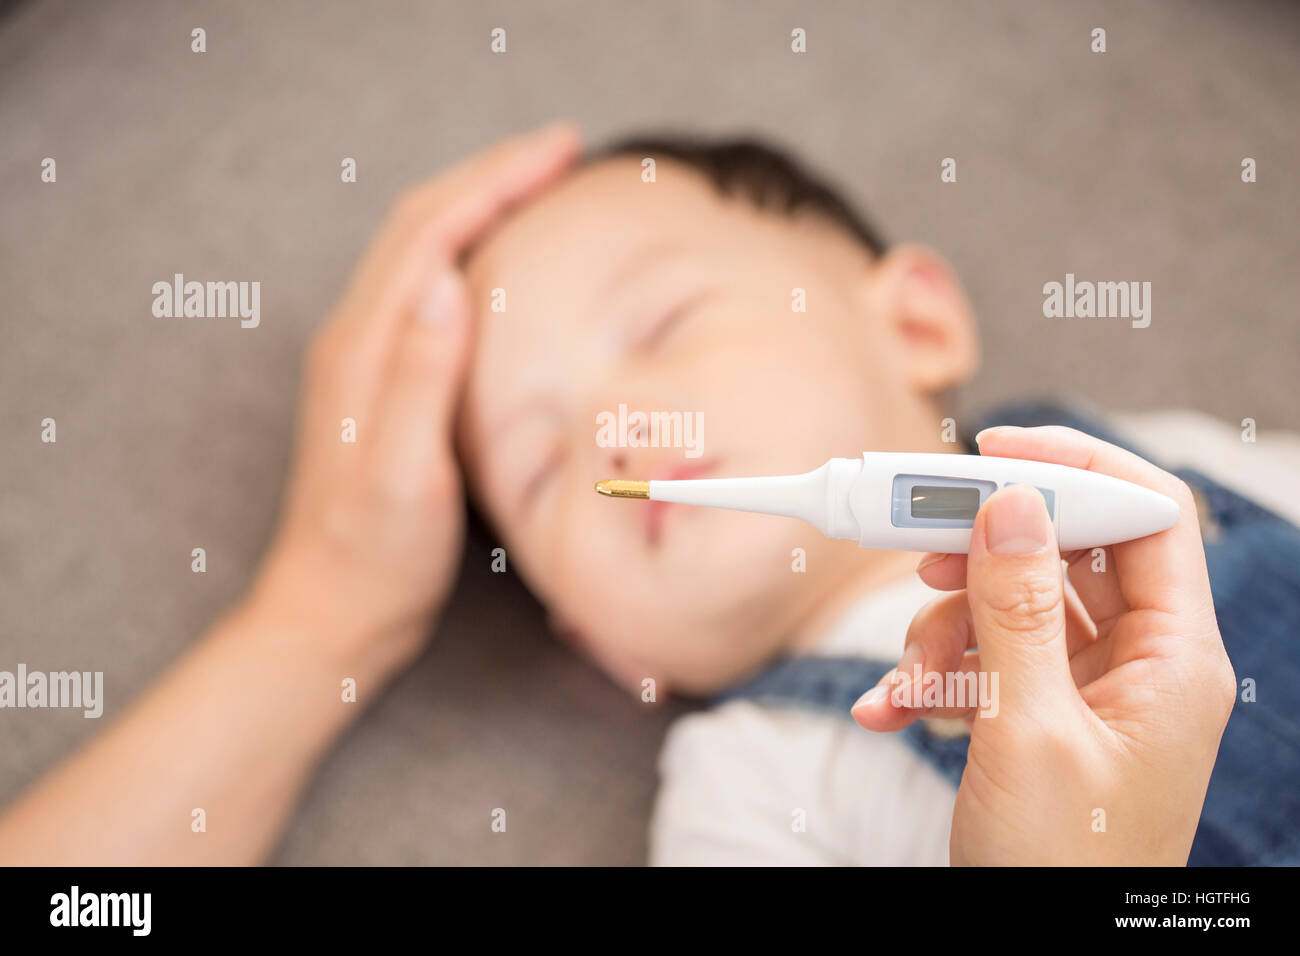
(1252, 807)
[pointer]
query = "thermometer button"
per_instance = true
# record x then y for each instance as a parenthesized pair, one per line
(1048, 495)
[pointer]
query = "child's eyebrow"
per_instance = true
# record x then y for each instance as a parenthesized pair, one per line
(643, 259)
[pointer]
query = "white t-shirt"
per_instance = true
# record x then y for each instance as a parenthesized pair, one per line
(749, 783)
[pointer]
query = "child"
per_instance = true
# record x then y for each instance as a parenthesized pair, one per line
(681, 293)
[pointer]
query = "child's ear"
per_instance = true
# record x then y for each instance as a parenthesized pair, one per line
(926, 308)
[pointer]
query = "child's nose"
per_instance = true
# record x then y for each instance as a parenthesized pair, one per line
(616, 461)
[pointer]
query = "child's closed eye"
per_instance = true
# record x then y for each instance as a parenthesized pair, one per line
(667, 320)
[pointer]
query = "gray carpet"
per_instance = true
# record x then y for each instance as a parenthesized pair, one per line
(173, 435)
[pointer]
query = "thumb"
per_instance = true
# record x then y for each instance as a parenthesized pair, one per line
(428, 366)
(1016, 591)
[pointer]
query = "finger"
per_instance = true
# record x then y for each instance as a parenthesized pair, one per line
(413, 421)
(947, 572)
(1016, 590)
(504, 174)
(1091, 662)
(1161, 572)
(1092, 573)
(937, 637)
(896, 702)
(940, 646)
(449, 212)
(937, 641)
(1080, 628)
(426, 232)
(346, 368)
(943, 572)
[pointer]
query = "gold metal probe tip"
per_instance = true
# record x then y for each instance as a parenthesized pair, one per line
(623, 488)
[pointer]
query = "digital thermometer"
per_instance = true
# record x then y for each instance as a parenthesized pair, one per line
(925, 502)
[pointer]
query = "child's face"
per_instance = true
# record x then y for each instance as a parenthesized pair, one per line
(669, 297)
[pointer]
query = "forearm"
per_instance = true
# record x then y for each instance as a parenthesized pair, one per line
(233, 729)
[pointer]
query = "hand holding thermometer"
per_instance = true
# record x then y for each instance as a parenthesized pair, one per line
(924, 502)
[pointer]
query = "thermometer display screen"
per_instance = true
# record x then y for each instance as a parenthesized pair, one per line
(936, 501)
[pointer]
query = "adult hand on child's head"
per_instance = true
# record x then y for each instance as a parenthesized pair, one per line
(1112, 695)
(374, 519)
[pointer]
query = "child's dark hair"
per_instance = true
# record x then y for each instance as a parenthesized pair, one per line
(759, 172)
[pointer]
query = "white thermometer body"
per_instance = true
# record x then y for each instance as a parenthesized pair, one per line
(926, 502)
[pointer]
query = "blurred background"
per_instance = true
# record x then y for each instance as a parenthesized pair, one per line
(1121, 166)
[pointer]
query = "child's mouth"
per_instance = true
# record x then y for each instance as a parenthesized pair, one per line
(656, 511)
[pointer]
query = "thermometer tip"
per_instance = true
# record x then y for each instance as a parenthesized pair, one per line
(623, 488)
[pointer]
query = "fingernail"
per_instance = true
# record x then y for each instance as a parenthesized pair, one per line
(442, 303)
(928, 560)
(553, 129)
(1015, 521)
(872, 697)
(995, 428)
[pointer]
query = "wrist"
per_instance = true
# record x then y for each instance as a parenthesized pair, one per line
(298, 597)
